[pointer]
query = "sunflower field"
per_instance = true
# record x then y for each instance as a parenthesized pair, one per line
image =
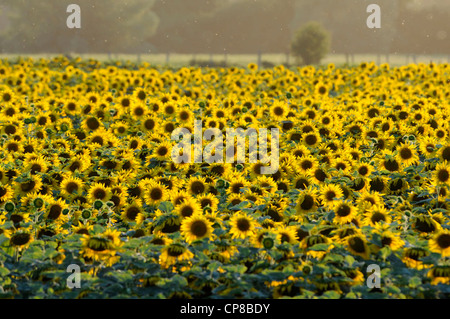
(87, 181)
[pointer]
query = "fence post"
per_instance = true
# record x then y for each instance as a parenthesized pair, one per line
(287, 58)
(210, 60)
(259, 59)
(346, 59)
(167, 58)
(378, 59)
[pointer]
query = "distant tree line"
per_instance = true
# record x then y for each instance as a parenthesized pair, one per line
(33, 26)
(249, 26)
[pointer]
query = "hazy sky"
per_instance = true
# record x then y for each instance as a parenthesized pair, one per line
(218, 26)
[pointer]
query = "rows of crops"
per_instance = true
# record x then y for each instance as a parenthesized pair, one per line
(87, 179)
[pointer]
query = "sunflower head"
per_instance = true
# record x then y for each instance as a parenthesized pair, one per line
(442, 174)
(440, 243)
(242, 226)
(187, 208)
(155, 192)
(344, 212)
(173, 253)
(307, 201)
(439, 274)
(196, 227)
(412, 257)
(20, 239)
(287, 234)
(133, 213)
(358, 246)
(377, 214)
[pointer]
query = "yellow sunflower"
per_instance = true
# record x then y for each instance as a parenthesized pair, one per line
(412, 255)
(102, 247)
(57, 210)
(441, 175)
(20, 239)
(188, 207)
(313, 239)
(6, 193)
(242, 226)
(330, 193)
(287, 234)
(307, 201)
(439, 274)
(98, 191)
(344, 212)
(407, 154)
(440, 243)
(174, 253)
(357, 245)
(376, 214)
(196, 227)
(133, 213)
(71, 185)
(154, 192)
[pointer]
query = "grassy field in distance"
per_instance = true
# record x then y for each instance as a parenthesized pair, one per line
(179, 60)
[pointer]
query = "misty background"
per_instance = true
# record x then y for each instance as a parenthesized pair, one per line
(221, 26)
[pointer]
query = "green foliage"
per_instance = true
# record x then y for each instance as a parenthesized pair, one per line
(222, 266)
(311, 43)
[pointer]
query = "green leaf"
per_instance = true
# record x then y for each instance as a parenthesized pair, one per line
(120, 276)
(393, 290)
(97, 229)
(334, 258)
(240, 206)
(4, 271)
(385, 252)
(274, 275)
(213, 266)
(349, 260)
(351, 295)
(179, 281)
(331, 295)
(3, 239)
(415, 281)
(31, 254)
(289, 269)
(166, 206)
(240, 269)
(319, 247)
